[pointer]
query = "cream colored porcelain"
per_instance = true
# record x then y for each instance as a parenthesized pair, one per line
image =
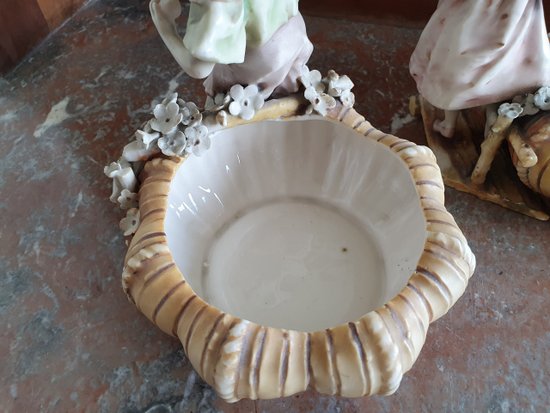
(295, 224)
(299, 253)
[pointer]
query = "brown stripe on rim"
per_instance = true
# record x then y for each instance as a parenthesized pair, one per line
(405, 147)
(158, 273)
(362, 355)
(151, 179)
(154, 181)
(359, 122)
(180, 314)
(166, 297)
(223, 339)
(541, 174)
(442, 257)
(421, 165)
(152, 278)
(400, 142)
(429, 182)
(257, 362)
(308, 360)
(136, 248)
(284, 364)
(424, 301)
(402, 327)
(345, 110)
(454, 253)
(332, 359)
(151, 198)
(368, 132)
(413, 310)
(430, 198)
(207, 341)
(438, 283)
(151, 212)
(243, 355)
(439, 221)
(151, 235)
(191, 329)
(384, 136)
(443, 210)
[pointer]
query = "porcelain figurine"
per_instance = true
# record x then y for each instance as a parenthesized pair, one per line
(478, 52)
(260, 42)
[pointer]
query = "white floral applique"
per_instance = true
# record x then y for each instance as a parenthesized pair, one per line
(127, 199)
(191, 113)
(246, 101)
(320, 102)
(198, 140)
(167, 116)
(312, 79)
(217, 103)
(130, 223)
(542, 98)
(123, 177)
(173, 143)
(527, 103)
(510, 110)
(323, 92)
(340, 87)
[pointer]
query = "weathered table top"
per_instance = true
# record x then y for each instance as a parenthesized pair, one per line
(71, 341)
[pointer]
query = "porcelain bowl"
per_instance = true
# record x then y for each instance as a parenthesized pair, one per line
(305, 252)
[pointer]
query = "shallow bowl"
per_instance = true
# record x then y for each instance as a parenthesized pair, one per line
(297, 253)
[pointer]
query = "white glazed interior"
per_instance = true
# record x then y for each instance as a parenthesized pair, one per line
(300, 224)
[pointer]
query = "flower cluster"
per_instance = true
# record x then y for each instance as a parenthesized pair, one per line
(322, 92)
(241, 101)
(167, 132)
(175, 130)
(531, 103)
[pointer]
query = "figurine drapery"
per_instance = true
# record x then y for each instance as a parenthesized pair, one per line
(262, 42)
(477, 52)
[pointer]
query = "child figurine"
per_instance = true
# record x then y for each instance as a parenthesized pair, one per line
(478, 52)
(262, 42)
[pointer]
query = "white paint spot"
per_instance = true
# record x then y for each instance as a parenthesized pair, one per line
(13, 391)
(125, 74)
(74, 396)
(8, 116)
(77, 205)
(399, 120)
(58, 114)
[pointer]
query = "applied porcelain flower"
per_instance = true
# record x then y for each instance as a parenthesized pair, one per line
(312, 79)
(198, 140)
(130, 223)
(320, 102)
(216, 103)
(172, 144)
(542, 98)
(338, 85)
(167, 117)
(191, 114)
(246, 101)
(127, 199)
(510, 110)
(123, 177)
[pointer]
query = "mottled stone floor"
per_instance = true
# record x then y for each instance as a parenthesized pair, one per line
(70, 340)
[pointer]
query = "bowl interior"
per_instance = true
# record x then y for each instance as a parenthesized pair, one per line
(299, 224)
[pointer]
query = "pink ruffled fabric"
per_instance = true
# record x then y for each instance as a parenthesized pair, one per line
(477, 52)
(274, 66)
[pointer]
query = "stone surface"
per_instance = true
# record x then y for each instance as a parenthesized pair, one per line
(70, 339)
